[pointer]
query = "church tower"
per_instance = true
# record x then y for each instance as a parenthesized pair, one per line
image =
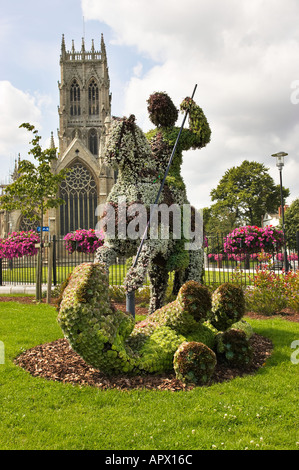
(84, 119)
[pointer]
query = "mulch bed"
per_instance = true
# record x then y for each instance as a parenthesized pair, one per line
(57, 361)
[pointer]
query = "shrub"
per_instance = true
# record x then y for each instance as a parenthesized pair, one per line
(292, 290)
(272, 292)
(194, 363)
(118, 293)
(267, 301)
(228, 306)
(234, 345)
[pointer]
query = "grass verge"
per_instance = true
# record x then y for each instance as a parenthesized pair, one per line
(253, 412)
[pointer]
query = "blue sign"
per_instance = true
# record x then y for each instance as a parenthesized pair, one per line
(45, 229)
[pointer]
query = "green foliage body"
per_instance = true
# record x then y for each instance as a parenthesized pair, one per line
(234, 345)
(162, 139)
(111, 341)
(228, 306)
(194, 362)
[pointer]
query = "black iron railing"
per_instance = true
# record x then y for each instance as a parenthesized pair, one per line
(219, 267)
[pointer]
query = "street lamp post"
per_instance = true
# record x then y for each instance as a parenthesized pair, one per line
(280, 164)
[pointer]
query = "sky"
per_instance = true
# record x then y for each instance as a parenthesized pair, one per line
(243, 56)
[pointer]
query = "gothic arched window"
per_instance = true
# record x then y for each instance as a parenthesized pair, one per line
(93, 98)
(27, 224)
(93, 141)
(75, 99)
(79, 191)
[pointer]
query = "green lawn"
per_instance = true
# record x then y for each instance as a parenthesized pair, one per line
(253, 412)
(21, 274)
(117, 274)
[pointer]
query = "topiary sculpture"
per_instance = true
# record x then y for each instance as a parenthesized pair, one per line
(93, 327)
(163, 114)
(234, 345)
(228, 306)
(190, 309)
(138, 184)
(194, 363)
(110, 340)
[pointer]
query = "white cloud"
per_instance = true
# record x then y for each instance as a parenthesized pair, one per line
(16, 107)
(244, 58)
(137, 70)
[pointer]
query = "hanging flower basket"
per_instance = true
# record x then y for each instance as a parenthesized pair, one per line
(252, 239)
(83, 241)
(19, 244)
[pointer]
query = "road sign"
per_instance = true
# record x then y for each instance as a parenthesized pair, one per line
(45, 229)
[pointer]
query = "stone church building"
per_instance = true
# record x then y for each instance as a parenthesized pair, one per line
(84, 120)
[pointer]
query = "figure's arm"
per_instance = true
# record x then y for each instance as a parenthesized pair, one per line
(199, 133)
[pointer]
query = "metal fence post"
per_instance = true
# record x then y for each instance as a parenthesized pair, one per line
(54, 266)
(297, 240)
(50, 262)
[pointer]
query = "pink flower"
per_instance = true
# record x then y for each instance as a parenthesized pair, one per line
(84, 241)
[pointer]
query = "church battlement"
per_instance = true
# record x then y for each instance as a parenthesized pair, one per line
(83, 55)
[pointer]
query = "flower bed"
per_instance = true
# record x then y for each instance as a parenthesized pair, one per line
(273, 292)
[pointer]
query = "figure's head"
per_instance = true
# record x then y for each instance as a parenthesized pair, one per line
(126, 144)
(162, 111)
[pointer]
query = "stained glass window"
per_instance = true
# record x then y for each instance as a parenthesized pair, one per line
(79, 191)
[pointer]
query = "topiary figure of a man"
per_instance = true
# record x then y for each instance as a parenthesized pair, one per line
(163, 114)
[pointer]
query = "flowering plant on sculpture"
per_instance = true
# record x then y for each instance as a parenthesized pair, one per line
(83, 241)
(19, 244)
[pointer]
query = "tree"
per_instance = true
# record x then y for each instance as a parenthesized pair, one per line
(291, 219)
(218, 221)
(36, 188)
(247, 192)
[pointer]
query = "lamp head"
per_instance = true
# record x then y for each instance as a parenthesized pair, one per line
(279, 158)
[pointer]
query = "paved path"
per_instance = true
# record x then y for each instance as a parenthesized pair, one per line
(20, 289)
